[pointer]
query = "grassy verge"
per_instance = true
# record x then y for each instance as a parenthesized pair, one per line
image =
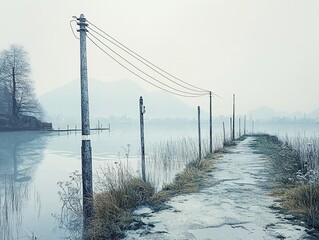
(120, 193)
(191, 179)
(113, 207)
(299, 198)
(124, 193)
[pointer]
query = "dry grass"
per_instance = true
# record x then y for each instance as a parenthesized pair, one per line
(119, 192)
(191, 179)
(304, 202)
(289, 178)
(113, 207)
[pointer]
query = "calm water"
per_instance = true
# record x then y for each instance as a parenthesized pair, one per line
(31, 164)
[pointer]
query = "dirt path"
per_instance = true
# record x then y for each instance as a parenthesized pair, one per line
(235, 206)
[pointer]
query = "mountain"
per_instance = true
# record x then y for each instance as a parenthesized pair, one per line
(118, 98)
(264, 113)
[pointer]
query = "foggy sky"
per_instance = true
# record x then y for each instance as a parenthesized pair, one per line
(267, 52)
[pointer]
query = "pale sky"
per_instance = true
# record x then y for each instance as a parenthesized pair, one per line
(267, 52)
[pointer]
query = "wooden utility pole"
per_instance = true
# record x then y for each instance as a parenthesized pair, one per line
(245, 125)
(239, 128)
(231, 128)
(142, 111)
(233, 116)
(210, 123)
(224, 133)
(199, 136)
(86, 153)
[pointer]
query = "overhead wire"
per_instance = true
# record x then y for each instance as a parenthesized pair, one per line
(148, 75)
(145, 62)
(73, 29)
(137, 75)
(118, 42)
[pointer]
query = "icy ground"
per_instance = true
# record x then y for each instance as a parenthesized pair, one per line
(235, 206)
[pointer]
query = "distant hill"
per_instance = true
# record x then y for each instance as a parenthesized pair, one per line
(118, 98)
(267, 113)
(263, 113)
(314, 114)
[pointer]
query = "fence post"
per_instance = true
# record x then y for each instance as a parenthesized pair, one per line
(233, 116)
(142, 111)
(86, 154)
(224, 133)
(239, 128)
(231, 128)
(210, 123)
(199, 135)
(245, 124)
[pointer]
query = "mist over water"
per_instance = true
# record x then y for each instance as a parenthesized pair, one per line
(32, 163)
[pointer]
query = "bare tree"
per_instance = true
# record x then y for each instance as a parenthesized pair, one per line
(16, 85)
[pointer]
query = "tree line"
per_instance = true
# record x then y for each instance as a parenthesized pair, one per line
(17, 95)
(19, 107)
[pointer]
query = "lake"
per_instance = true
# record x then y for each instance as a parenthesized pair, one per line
(32, 163)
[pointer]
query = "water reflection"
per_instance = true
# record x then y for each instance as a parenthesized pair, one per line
(19, 159)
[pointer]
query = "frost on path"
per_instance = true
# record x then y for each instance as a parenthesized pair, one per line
(235, 206)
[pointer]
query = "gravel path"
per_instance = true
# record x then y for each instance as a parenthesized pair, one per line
(235, 206)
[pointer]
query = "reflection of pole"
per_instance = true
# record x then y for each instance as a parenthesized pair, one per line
(233, 116)
(210, 124)
(15, 162)
(142, 111)
(199, 135)
(86, 143)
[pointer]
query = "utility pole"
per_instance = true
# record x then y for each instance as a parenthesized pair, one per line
(199, 136)
(210, 123)
(231, 128)
(245, 125)
(224, 133)
(233, 116)
(142, 111)
(86, 151)
(239, 128)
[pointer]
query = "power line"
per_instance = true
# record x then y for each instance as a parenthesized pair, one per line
(145, 63)
(182, 95)
(166, 85)
(73, 29)
(147, 60)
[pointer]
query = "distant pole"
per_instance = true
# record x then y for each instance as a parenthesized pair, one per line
(86, 142)
(210, 123)
(233, 116)
(142, 111)
(224, 133)
(239, 128)
(199, 135)
(231, 128)
(245, 125)
(252, 126)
